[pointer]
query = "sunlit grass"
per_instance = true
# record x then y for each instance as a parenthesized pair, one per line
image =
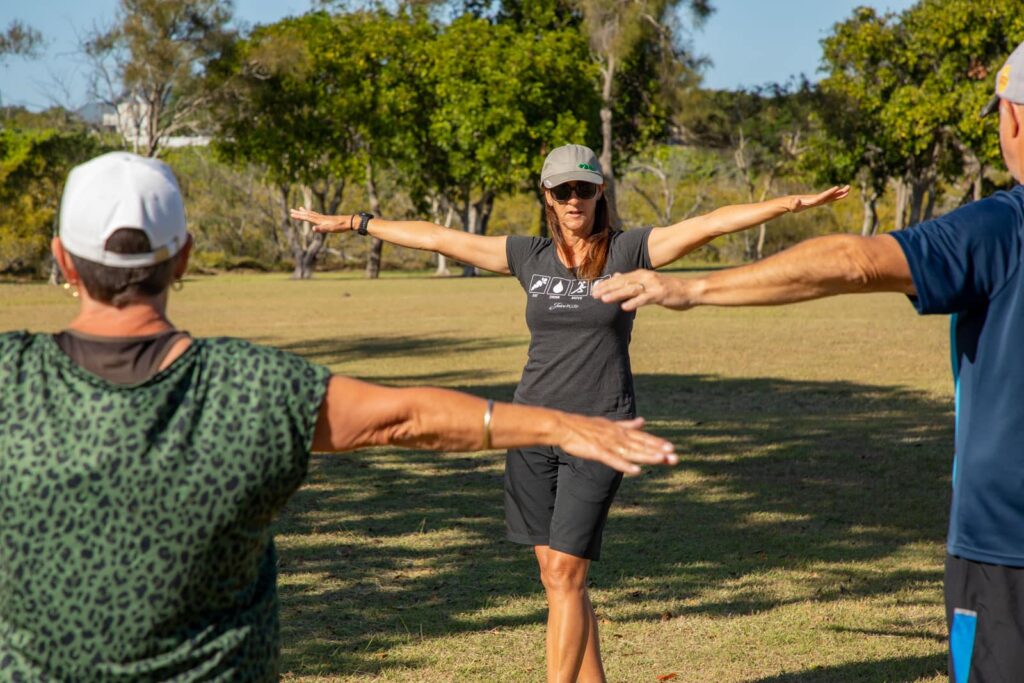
(801, 539)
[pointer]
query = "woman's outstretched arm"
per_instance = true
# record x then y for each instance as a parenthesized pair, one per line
(356, 414)
(665, 245)
(481, 251)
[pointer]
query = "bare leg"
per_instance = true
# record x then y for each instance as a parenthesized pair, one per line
(592, 670)
(572, 647)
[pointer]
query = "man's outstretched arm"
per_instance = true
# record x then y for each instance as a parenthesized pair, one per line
(820, 267)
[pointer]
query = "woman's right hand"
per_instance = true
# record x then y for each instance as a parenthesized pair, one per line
(324, 223)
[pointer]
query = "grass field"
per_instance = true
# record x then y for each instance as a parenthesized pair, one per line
(800, 539)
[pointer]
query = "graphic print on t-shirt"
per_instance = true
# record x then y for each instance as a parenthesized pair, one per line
(559, 286)
(539, 284)
(579, 288)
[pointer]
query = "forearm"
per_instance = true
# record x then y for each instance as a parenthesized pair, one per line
(825, 266)
(357, 414)
(413, 234)
(738, 217)
(452, 421)
(671, 243)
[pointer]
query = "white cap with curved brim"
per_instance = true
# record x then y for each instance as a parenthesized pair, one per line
(1009, 82)
(568, 163)
(122, 190)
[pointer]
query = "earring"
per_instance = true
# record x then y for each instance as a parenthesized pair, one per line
(178, 285)
(72, 288)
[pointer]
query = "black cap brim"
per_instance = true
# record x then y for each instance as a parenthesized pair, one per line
(992, 106)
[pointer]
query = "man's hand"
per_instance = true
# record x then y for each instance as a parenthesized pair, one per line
(643, 287)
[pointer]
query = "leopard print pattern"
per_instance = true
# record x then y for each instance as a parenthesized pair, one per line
(134, 520)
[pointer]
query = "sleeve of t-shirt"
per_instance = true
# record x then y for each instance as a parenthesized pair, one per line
(518, 249)
(278, 396)
(963, 259)
(632, 249)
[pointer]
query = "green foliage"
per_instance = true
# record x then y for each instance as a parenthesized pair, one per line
(502, 98)
(903, 92)
(34, 163)
(19, 39)
(283, 99)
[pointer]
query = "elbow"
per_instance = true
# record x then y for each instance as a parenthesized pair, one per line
(857, 269)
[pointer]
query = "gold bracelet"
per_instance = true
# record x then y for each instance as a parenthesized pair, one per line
(487, 424)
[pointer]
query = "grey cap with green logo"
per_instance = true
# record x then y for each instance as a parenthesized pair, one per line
(571, 162)
(1009, 82)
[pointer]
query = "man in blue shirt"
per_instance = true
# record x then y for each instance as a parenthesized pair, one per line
(968, 264)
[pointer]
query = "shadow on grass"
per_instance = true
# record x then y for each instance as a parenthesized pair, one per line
(794, 475)
(331, 350)
(894, 670)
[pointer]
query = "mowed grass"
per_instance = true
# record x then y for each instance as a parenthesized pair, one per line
(800, 539)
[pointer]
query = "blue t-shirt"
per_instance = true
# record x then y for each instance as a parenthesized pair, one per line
(968, 263)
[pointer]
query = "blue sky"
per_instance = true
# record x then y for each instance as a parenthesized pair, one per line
(750, 42)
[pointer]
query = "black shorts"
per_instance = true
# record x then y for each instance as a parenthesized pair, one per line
(985, 618)
(556, 499)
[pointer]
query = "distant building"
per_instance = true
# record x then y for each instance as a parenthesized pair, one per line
(129, 120)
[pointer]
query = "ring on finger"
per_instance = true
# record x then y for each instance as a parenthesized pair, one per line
(641, 286)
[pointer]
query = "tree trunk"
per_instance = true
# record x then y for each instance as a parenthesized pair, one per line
(901, 204)
(919, 190)
(376, 245)
(304, 248)
(978, 181)
(762, 229)
(435, 213)
(869, 203)
(929, 207)
(607, 141)
(475, 218)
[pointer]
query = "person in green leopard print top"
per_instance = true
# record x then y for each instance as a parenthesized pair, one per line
(140, 468)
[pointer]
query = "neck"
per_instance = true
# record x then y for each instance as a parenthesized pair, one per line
(576, 244)
(134, 320)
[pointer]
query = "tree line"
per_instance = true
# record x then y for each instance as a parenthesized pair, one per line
(446, 110)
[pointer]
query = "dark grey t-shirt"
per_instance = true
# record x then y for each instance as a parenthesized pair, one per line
(579, 347)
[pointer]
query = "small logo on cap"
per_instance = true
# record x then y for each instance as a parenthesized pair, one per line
(1003, 80)
(587, 166)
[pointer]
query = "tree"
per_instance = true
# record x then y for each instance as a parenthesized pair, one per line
(34, 163)
(640, 63)
(20, 39)
(284, 100)
(764, 131)
(500, 99)
(149, 64)
(910, 86)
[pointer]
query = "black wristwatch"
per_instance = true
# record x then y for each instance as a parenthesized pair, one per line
(364, 218)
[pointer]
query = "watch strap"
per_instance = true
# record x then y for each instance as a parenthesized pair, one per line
(364, 219)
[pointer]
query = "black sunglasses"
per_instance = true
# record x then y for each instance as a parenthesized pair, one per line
(581, 189)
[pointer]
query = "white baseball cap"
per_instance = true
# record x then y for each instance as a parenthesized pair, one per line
(122, 190)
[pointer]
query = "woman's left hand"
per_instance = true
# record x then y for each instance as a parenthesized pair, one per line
(324, 223)
(798, 202)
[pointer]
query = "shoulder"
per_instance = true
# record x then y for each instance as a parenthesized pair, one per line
(14, 346)
(527, 244)
(630, 234)
(11, 342)
(256, 361)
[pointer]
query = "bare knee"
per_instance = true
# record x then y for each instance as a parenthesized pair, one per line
(563, 573)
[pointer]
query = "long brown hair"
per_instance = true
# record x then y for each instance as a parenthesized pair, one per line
(597, 241)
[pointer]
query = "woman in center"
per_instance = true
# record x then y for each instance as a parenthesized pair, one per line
(578, 361)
